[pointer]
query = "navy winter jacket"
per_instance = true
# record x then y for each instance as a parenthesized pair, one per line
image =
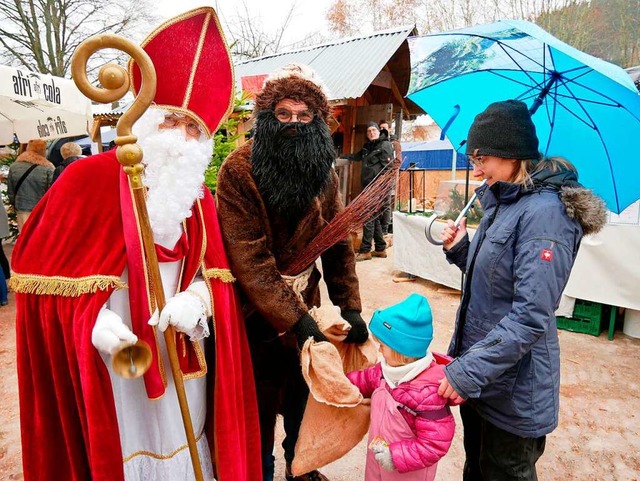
(507, 362)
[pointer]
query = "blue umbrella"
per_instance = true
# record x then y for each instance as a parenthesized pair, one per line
(584, 109)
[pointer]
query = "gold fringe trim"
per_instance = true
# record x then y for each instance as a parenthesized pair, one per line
(201, 362)
(196, 61)
(159, 456)
(223, 274)
(63, 286)
(213, 308)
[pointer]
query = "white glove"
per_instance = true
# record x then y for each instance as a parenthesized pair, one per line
(186, 312)
(110, 334)
(200, 289)
(383, 456)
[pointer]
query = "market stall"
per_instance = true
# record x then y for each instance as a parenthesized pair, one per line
(606, 270)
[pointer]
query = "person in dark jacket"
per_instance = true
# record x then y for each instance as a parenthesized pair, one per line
(70, 152)
(387, 217)
(376, 155)
(30, 176)
(5, 272)
(505, 345)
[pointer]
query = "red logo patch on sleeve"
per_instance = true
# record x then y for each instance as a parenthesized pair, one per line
(547, 255)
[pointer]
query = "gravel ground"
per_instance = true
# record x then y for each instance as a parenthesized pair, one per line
(598, 438)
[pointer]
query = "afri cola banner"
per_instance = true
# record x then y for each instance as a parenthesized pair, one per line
(38, 106)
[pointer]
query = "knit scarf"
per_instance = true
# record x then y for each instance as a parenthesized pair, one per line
(396, 375)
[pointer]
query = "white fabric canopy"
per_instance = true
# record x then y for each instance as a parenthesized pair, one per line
(414, 254)
(38, 106)
(606, 269)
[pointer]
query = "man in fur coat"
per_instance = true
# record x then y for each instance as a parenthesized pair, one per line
(275, 194)
(90, 296)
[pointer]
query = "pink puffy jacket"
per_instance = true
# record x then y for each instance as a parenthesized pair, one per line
(432, 436)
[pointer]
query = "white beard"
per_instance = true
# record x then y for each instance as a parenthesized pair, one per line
(174, 175)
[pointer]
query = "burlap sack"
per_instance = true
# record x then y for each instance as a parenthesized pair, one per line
(336, 417)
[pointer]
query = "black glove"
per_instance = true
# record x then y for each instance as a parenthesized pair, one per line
(358, 333)
(305, 328)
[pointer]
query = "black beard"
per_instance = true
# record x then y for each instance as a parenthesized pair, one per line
(291, 163)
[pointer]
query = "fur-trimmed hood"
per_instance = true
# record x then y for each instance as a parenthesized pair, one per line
(35, 153)
(585, 207)
(581, 204)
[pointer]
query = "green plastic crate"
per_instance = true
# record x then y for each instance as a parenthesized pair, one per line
(588, 310)
(587, 318)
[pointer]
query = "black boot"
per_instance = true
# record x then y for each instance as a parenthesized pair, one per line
(314, 475)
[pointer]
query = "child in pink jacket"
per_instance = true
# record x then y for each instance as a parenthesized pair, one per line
(411, 425)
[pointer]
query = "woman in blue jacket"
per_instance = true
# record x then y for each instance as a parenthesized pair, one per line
(507, 357)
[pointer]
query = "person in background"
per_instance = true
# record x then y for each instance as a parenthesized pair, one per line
(411, 424)
(385, 132)
(387, 214)
(4, 262)
(376, 155)
(30, 176)
(70, 152)
(275, 194)
(505, 343)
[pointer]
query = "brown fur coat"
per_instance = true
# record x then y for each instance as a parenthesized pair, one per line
(260, 247)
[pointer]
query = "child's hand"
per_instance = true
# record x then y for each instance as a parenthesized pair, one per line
(383, 456)
(446, 391)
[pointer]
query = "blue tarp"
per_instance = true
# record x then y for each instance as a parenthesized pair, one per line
(434, 155)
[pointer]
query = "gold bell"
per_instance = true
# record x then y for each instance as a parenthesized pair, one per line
(132, 361)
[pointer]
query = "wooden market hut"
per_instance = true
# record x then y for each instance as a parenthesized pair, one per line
(367, 78)
(106, 119)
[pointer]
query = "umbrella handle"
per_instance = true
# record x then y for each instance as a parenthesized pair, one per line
(116, 82)
(456, 223)
(427, 230)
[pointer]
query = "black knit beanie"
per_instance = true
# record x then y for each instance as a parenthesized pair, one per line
(504, 130)
(373, 124)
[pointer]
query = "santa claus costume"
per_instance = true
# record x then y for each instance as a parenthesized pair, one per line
(79, 420)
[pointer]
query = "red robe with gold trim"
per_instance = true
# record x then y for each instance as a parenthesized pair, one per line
(66, 263)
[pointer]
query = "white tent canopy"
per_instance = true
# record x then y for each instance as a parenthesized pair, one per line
(38, 106)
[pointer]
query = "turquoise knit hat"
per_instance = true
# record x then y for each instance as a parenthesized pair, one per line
(406, 327)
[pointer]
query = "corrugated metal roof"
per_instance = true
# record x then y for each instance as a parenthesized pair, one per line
(347, 66)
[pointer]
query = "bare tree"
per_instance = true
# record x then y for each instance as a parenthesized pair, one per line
(342, 17)
(248, 38)
(42, 35)
(351, 17)
(607, 29)
(348, 17)
(575, 23)
(618, 31)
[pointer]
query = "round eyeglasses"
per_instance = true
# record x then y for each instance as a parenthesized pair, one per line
(286, 115)
(173, 120)
(476, 160)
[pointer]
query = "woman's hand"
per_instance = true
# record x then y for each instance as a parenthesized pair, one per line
(451, 234)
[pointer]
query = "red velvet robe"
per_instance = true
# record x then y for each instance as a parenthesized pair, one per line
(66, 263)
